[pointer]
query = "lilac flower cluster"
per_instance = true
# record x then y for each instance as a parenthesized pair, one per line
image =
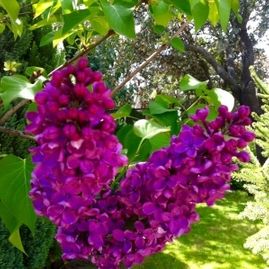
(77, 154)
(77, 157)
(156, 200)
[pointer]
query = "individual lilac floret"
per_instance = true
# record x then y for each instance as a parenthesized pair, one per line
(156, 201)
(77, 155)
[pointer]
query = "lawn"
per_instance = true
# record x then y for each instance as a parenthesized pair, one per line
(215, 242)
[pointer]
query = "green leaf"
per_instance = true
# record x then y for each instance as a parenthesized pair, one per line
(56, 6)
(47, 38)
(126, 3)
(131, 142)
(54, 37)
(225, 98)
(44, 22)
(143, 151)
(14, 189)
(67, 6)
(235, 5)
(213, 15)
(156, 108)
(161, 12)
(31, 69)
(183, 5)
(213, 113)
(73, 19)
(146, 129)
(59, 37)
(99, 24)
(200, 13)
(2, 28)
(159, 141)
(122, 112)
(190, 83)
(12, 87)
(177, 44)
(8, 219)
(224, 10)
(158, 29)
(169, 119)
(16, 27)
(11, 7)
(41, 7)
(15, 240)
(123, 131)
(211, 97)
(167, 100)
(119, 18)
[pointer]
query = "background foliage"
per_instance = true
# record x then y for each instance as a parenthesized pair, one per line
(189, 72)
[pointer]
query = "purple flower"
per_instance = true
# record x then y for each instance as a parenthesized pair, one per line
(201, 114)
(78, 156)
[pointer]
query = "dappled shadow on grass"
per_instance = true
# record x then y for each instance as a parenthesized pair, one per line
(157, 261)
(162, 261)
(216, 241)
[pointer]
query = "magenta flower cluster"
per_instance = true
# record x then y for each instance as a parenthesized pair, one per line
(77, 158)
(77, 154)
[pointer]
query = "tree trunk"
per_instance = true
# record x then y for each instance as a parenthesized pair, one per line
(248, 95)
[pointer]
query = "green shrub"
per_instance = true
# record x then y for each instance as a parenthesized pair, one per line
(10, 257)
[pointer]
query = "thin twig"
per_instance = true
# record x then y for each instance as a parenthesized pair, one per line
(139, 68)
(13, 132)
(85, 51)
(146, 62)
(13, 110)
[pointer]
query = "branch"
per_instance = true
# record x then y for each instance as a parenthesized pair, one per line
(13, 110)
(84, 52)
(13, 132)
(146, 62)
(212, 61)
(139, 68)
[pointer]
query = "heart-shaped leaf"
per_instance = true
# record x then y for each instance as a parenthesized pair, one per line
(178, 44)
(122, 112)
(12, 87)
(146, 129)
(183, 5)
(225, 98)
(161, 12)
(14, 189)
(120, 18)
(190, 83)
(73, 19)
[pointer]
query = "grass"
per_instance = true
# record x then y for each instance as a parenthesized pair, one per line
(215, 242)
